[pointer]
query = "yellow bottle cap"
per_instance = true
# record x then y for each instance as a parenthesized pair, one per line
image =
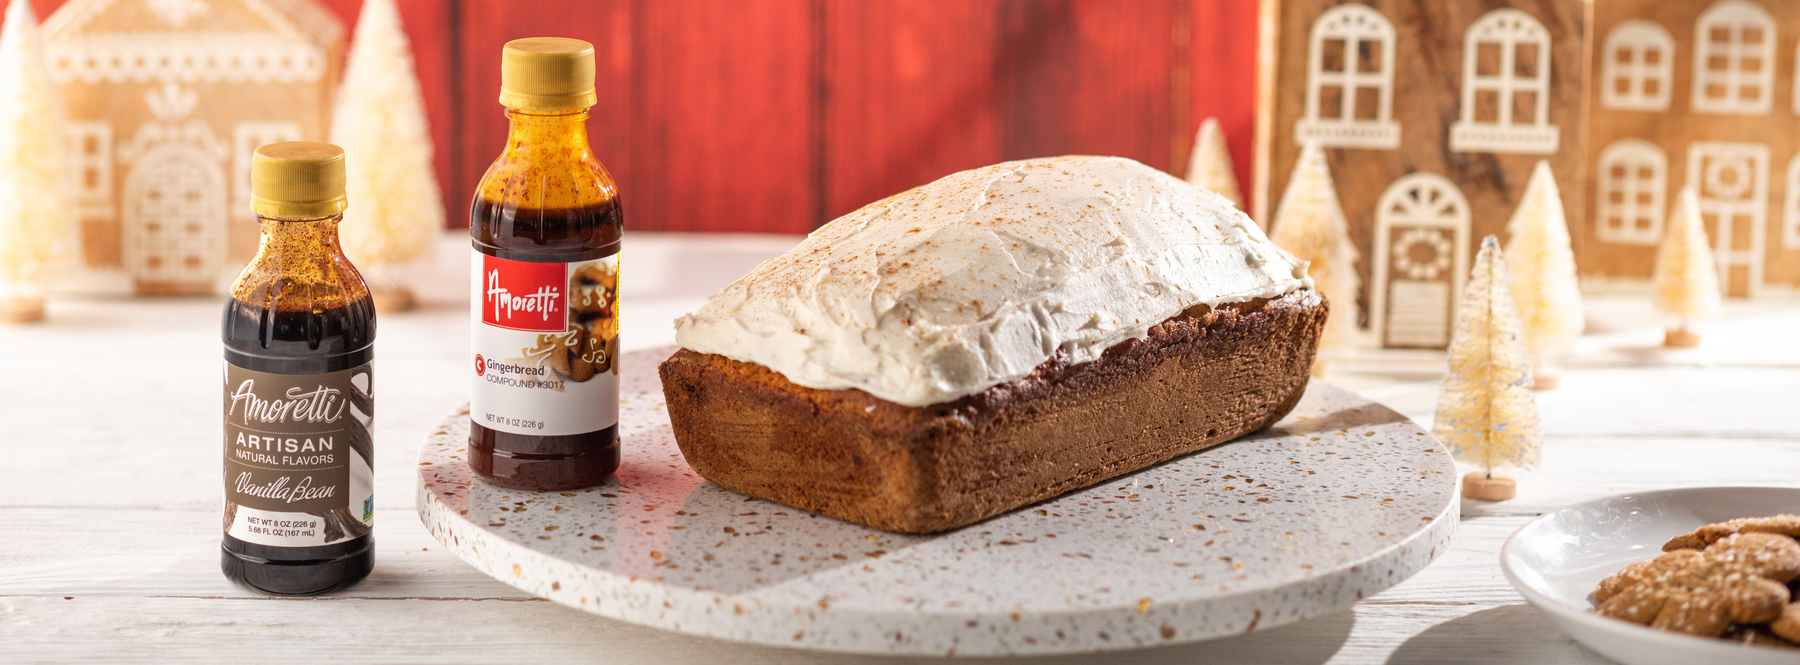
(547, 74)
(297, 180)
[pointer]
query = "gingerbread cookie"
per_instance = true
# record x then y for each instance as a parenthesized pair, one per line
(591, 342)
(553, 350)
(594, 319)
(1757, 636)
(1741, 578)
(1788, 624)
(1787, 525)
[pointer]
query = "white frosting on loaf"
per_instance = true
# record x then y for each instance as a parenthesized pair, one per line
(976, 279)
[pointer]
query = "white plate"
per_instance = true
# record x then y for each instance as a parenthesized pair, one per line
(1557, 560)
(1341, 499)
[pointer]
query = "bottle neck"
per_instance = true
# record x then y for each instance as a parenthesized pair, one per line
(289, 241)
(565, 129)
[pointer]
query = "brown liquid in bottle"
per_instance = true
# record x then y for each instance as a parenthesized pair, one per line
(301, 308)
(547, 201)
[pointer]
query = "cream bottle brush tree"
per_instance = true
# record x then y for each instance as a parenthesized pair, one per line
(396, 209)
(1310, 223)
(35, 228)
(1487, 413)
(1543, 274)
(1209, 165)
(1686, 277)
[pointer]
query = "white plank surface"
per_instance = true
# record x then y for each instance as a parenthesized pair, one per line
(109, 498)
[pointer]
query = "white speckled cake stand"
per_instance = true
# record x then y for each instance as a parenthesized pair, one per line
(1340, 500)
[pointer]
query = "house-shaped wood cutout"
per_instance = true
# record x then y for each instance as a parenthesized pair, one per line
(1432, 115)
(1701, 93)
(167, 100)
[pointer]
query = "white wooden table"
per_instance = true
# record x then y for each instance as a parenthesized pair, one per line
(109, 488)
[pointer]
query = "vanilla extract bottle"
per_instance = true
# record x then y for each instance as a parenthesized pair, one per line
(545, 227)
(299, 337)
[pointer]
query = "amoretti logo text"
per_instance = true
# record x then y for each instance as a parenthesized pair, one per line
(521, 295)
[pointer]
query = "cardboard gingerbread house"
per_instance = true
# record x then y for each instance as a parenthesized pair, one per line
(167, 100)
(1432, 115)
(1703, 94)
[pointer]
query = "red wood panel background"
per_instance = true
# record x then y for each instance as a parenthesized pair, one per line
(909, 96)
(1087, 76)
(1221, 63)
(778, 115)
(726, 117)
(472, 91)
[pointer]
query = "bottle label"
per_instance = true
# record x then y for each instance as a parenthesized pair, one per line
(545, 339)
(298, 456)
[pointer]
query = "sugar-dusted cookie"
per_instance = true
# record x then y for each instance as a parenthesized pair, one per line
(1787, 525)
(1757, 635)
(1788, 624)
(1739, 579)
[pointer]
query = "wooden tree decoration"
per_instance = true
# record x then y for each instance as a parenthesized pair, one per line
(34, 220)
(1209, 165)
(1543, 273)
(396, 210)
(1311, 225)
(1487, 413)
(1686, 278)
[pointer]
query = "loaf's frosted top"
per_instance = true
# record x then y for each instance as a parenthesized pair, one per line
(976, 279)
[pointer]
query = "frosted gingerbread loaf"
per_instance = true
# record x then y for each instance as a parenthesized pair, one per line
(995, 338)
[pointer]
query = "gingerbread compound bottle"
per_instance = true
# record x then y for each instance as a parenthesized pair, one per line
(299, 389)
(546, 228)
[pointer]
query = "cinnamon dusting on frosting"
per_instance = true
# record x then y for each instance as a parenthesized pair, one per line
(976, 279)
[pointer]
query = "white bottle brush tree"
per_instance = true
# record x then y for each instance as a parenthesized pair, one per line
(36, 229)
(396, 210)
(1686, 277)
(1310, 224)
(1487, 413)
(1543, 274)
(1209, 165)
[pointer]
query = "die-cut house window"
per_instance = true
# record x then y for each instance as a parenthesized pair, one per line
(1734, 59)
(1797, 78)
(1350, 81)
(1790, 228)
(1506, 87)
(90, 152)
(1633, 177)
(1639, 59)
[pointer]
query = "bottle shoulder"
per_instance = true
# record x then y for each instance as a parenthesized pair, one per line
(555, 210)
(292, 283)
(539, 177)
(304, 322)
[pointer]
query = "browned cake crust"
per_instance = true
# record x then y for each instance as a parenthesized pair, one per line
(1202, 378)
